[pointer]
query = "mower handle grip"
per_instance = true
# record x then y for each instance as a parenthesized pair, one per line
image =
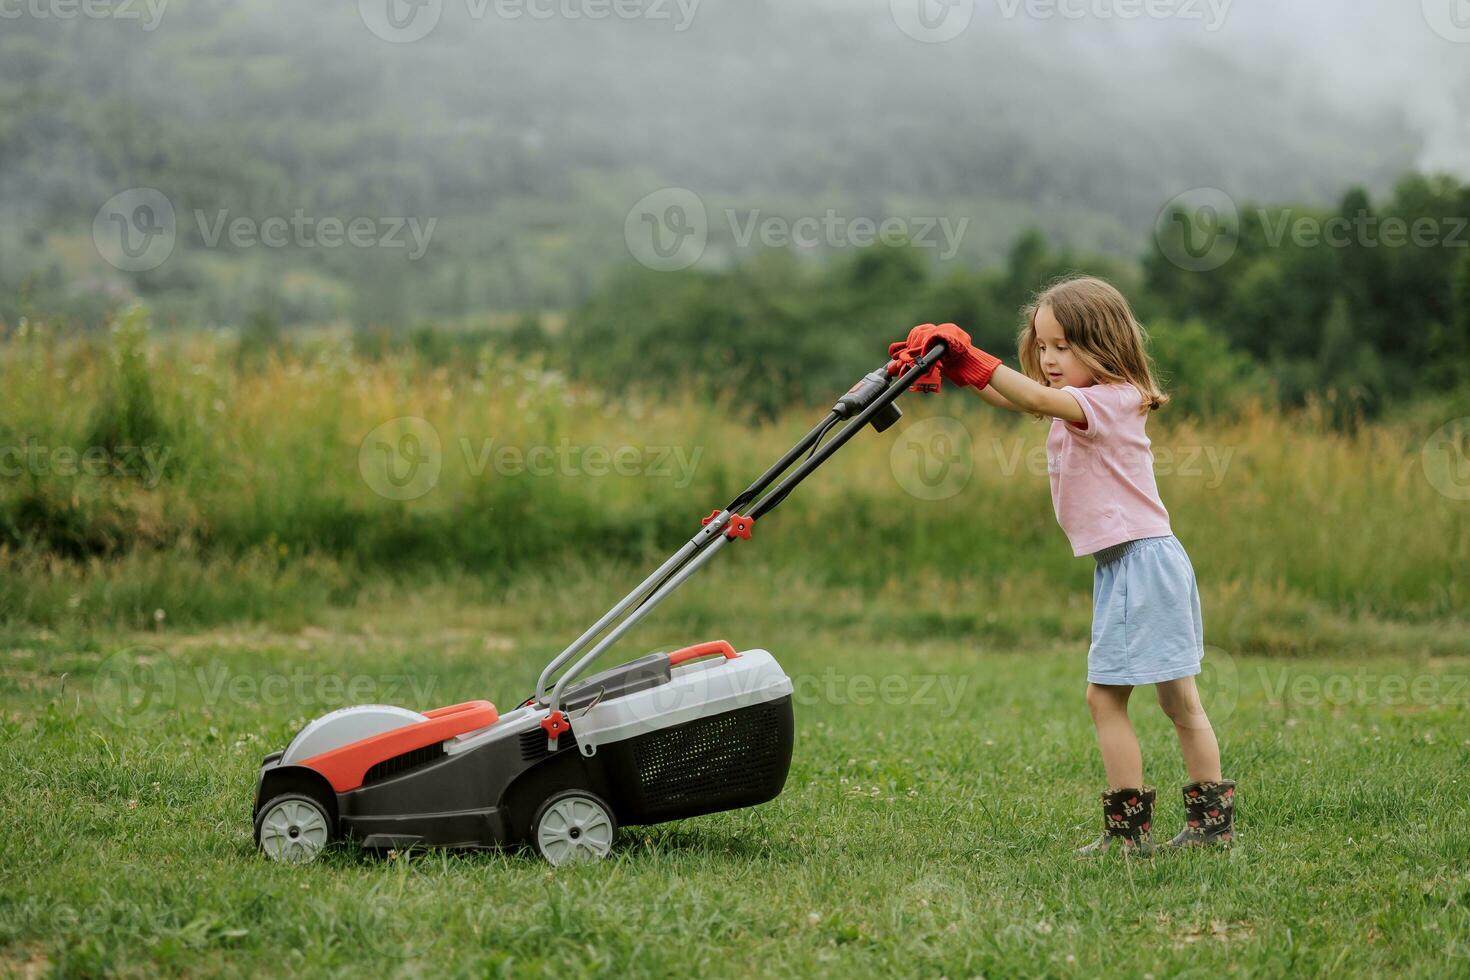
(937, 348)
(931, 356)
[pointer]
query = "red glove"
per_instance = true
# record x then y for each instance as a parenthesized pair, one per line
(902, 359)
(962, 363)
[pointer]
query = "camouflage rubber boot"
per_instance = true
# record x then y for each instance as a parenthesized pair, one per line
(1209, 815)
(1127, 818)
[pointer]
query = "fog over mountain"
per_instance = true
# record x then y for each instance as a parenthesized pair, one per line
(530, 127)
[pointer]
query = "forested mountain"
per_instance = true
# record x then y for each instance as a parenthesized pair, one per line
(525, 139)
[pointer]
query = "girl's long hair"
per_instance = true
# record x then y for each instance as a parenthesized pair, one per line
(1103, 332)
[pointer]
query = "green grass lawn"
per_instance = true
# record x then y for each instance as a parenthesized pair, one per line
(937, 791)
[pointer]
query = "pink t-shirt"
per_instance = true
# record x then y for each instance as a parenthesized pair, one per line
(1102, 477)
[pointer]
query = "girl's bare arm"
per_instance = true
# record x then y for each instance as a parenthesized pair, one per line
(1020, 394)
(989, 394)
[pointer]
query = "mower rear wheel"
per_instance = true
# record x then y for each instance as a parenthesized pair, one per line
(293, 828)
(574, 825)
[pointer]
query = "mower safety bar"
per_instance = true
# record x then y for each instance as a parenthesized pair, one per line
(873, 404)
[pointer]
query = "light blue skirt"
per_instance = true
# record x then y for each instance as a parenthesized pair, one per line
(1146, 622)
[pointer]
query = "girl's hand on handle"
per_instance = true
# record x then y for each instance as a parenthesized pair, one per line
(901, 359)
(963, 362)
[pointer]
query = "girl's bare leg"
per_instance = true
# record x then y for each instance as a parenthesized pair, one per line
(1180, 701)
(1121, 757)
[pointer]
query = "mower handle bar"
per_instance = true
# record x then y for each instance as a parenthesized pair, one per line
(699, 549)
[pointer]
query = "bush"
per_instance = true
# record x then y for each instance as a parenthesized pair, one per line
(1202, 374)
(127, 417)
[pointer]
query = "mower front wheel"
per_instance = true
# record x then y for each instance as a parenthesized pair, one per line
(574, 825)
(293, 828)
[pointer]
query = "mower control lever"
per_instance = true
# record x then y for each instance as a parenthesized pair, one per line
(863, 394)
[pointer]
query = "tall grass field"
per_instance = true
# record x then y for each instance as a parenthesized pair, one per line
(265, 534)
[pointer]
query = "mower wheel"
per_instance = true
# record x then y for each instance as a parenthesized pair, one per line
(574, 825)
(293, 828)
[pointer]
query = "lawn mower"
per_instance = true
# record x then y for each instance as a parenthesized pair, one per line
(666, 736)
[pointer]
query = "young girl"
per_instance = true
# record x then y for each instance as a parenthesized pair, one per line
(1085, 366)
